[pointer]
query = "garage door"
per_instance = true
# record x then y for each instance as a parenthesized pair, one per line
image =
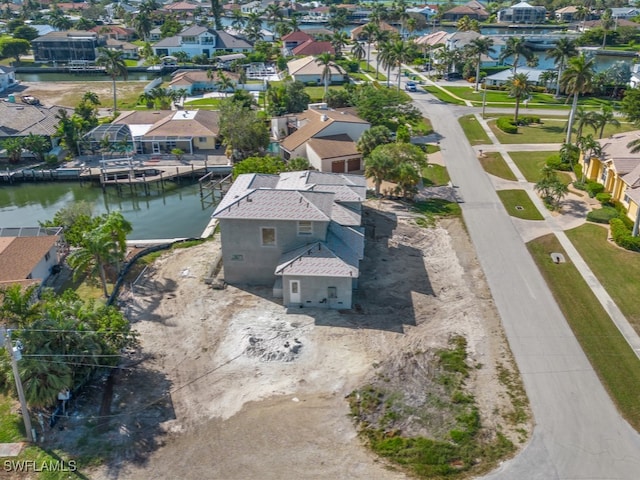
(337, 167)
(354, 164)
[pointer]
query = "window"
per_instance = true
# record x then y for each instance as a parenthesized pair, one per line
(238, 257)
(268, 237)
(603, 175)
(627, 199)
(47, 256)
(305, 227)
(332, 292)
(202, 139)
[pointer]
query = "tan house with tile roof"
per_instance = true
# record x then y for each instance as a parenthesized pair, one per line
(198, 81)
(160, 131)
(298, 232)
(358, 32)
(307, 70)
(618, 170)
(325, 137)
(28, 259)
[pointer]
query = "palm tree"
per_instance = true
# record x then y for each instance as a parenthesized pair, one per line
(181, 56)
(14, 147)
(583, 118)
(378, 166)
(92, 98)
(94, 255)
(516, 47)
(38, 145)
(481, 46)
(603, 118)
(401, 52)
(547, 78)
(606, 23)
(338, 41)
(216, 11)
(576, 79)
(370, 31)
(273, 14)
(382, 36)
(18, 306)
(519, 88)
(357, 51)
(114, 66)
(325, 60)
(238, 20)
(142, 24)
(590, 148)
(564, 49)
(386, 58)
(147, 99)
(224, 83)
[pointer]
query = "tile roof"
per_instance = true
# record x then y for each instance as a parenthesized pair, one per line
(616, 145)
(17, 119)
(318, 120)
(381, 26)
(316, 259)
(205, 123)
(142, 117)
(334, 146)
(180, 6)
(182, 77)
(20, 255)
(312, 47)
(297, 36)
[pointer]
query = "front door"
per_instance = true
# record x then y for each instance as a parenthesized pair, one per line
(156, 147)
(294, 291)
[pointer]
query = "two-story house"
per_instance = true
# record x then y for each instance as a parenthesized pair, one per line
(325, 137)
(7, 77)
(523, 12)
(67, 46)
(473, 9)
(299, 232)
(197, 40)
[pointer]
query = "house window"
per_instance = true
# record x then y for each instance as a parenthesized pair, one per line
(268, 236)
(202, 139)
(603, 176)
(627, 199)
(238, 257)
(332, 292)
(47, 256)
(305, 227)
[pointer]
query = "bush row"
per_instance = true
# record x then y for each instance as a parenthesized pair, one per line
(622, 235)
(507, 125)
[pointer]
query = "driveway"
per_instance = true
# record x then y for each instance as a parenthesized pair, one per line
(578, 434)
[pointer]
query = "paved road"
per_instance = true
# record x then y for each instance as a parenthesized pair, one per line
(578, 432)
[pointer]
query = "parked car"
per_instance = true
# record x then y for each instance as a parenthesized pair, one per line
(411, 86)
(452, 76)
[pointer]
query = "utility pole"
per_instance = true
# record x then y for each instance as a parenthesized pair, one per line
(484, 99)
(15, 356)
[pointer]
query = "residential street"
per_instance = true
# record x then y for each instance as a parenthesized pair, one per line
(578, 434)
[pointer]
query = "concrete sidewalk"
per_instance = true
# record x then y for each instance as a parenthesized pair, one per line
(573, 216)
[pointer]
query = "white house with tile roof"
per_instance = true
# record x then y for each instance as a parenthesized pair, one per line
(197, 40)
(325, 137)
(299, 232)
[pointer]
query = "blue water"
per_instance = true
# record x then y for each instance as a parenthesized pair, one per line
(175, 213)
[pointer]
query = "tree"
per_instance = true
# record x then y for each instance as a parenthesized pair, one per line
(584, 118)
(38, 145)
(170, 27)
(69, 130)
(297, 99)
(76, 218)
(590, 148)
(371, 138)
(547, 78)
(114, 66)
(142, 24)
(630, 105)
(519, 88)
(401, 52)
(606, 23)
(13, 146)
(224, 83)
(26, 32)
(388, 107)
(257, 164)
(551, 188)
(516, 47)
(357, 51)
(94, 255)
(576, 79)
(18, 306)
(564, 49)
(325, 60)
(238, 20)
(618, 74)
(378, 166)
(243, 133)
(298, 164)
(481, 46)
(216, 11)
(181, 56)
(395, 162)
(370, 31)
(339, 40)
(14, 47)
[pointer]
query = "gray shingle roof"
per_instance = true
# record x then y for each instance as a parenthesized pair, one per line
(18, 119)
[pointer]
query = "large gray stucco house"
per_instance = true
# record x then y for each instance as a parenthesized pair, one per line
(299, 232)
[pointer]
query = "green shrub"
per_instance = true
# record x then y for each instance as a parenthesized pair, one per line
(507, 125)
(621, 234)
(351, 66)
(555, 162)
(594, 188)
(311, 84)
(603, 215)
(529, 119)
(577, 170)
(604, 198)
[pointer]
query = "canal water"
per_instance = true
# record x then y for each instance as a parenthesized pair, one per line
(178, 212)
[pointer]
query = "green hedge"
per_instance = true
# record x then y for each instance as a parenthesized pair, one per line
(594, 188)
(622, 235)
(555, 162)
(604, 198)
(529, 119)
(507, 125)
(603, 215)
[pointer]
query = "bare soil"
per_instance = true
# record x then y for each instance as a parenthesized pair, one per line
(69, 94)
(229, 384)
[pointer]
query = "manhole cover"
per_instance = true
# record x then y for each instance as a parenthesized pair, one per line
(519, 207)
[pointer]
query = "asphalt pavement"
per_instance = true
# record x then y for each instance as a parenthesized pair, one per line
(578, 432)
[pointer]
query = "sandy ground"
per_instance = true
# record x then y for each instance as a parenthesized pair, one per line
(68, 94)
(234, 386)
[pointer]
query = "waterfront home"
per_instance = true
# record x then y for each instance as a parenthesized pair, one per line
(358, 32)
(298, 232)
(293, 39)
(28, 255)
(21, 119)
(473, 9)
(67, 46)
(325, 137)
(591, 24)
(200, 81)
(7, 77)
(115, 32)
(523, 12)
(307, 70)
(618, 170)
(198, 40)
(129, 50)
(313, 47)
(501, 78)
(566, 14)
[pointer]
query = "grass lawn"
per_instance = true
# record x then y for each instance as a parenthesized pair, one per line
(474, 131)
(551, 131)
(519, 198)
(130, 62)
(494, 163)
(317, 93)
(431, 148)
(435, 208)
(613, 266)
(442, 95)
(200, 102)
(423, 127)
(531, 164)
(612, 358)
(435, 175)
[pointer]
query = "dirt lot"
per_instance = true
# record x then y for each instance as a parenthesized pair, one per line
(230, 385)
(68, 94)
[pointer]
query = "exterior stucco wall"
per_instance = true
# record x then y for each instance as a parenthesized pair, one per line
(314, 292)
(43, 268)
(257, 263)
